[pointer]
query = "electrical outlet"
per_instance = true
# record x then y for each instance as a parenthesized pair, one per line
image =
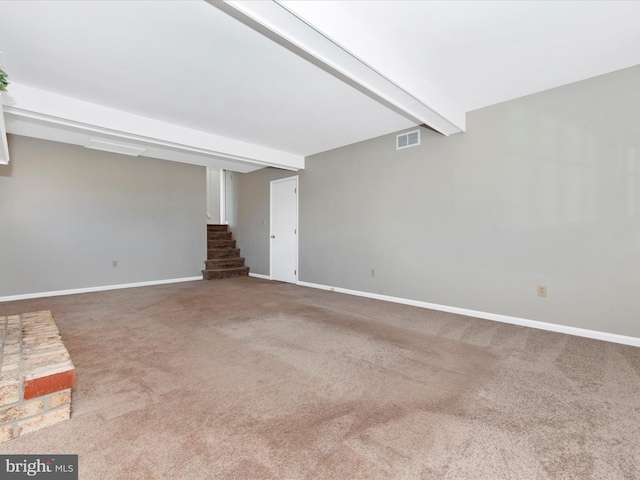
(373, 272)
(542, 290)
(114, 264)
(332, 289)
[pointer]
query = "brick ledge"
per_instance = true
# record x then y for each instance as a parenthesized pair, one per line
(36, 374)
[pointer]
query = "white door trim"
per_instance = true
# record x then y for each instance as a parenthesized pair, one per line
(208, 174)
(223, 197)
(297, 187)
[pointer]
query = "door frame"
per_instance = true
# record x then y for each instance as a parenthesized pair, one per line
(217, 186)
(297, 187)
(223, 197)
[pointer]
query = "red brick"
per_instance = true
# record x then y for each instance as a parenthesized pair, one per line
(49, 384)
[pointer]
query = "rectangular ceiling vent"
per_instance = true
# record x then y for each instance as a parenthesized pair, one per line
(409, 139)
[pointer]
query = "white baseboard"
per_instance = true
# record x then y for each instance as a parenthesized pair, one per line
(29, 296)
(258, 275)
(552, 327)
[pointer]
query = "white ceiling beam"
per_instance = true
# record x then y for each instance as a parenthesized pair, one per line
(33, 108)
(28, 128)
(4, 145)
(355, 56)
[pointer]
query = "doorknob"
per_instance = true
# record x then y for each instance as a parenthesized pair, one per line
(273, 236)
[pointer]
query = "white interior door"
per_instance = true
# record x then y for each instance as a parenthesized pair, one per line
(284, 230)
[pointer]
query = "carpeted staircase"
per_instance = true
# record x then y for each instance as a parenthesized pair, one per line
(223, 258)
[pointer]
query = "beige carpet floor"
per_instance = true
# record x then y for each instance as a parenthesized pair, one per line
(251, 379)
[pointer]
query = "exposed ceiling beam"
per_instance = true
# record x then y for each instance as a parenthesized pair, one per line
(370, 67)
(43, 114)
(4, 146)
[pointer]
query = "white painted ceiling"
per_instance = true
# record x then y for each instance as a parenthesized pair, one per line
(192, 65)
(480, 53)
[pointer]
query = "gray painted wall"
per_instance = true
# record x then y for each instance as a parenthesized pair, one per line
(544, 189)
(67, 212)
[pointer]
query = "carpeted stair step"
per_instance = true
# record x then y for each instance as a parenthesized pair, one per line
(217, 228)
(224, 263)
(213, 253)
(221, 244)
(223, 258)
(212, 236)
(224, 273)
